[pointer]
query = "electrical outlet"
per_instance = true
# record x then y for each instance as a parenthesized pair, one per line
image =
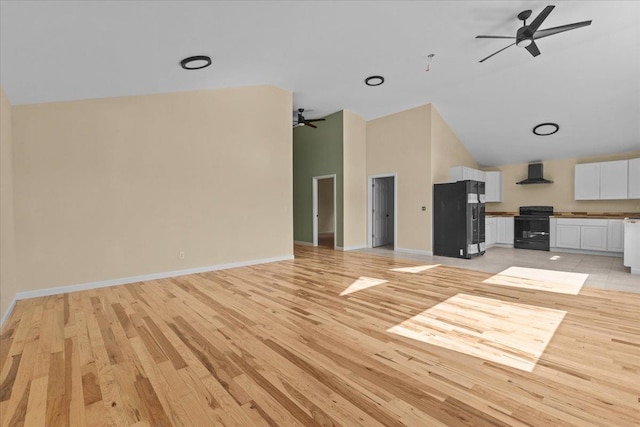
(181, 254)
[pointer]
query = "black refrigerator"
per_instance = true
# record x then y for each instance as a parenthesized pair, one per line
(458, 219)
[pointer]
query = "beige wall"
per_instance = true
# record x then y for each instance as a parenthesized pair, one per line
(118, 187)
(355, 180)
(446, 151)
(400, 143)
(560, 194)
(8, 284)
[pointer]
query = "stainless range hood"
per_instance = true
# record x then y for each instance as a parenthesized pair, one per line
(535, 175)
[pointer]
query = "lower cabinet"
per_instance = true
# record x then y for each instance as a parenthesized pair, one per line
(593, 237)
(490, 231)
(615, 235)
(505, 230)
(498, 229)
(590, 234)
(568, 236)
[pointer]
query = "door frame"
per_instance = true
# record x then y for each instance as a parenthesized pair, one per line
(370, 179)
(314, 210)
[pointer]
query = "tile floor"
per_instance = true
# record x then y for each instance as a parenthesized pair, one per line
(605, 272)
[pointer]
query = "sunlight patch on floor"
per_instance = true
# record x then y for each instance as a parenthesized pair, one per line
(416, 269)
(562, 282)
(507, 333)
(362, 283)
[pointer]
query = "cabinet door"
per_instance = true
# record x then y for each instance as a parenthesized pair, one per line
(490, 231)
(634, 179)
(493, 187)
(613, 180)
(593, 237)
(587, 181)
(568, 236)
(456, 173)
(615, 237)
(505, 230)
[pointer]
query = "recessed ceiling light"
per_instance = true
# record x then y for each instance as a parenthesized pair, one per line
(374, 80)
(195, 62)
(545, 129)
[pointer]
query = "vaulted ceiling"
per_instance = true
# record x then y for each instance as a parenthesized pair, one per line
(586, 80)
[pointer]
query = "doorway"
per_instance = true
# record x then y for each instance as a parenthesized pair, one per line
(382, 211)
(324, 211)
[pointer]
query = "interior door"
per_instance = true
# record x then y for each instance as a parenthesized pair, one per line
(382, 212)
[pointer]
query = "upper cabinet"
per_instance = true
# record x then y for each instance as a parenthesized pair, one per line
(587, 178)
(493, 186)
(462, 173)
(492, 180)
(608, 180)
(613, 180)
(634, 179)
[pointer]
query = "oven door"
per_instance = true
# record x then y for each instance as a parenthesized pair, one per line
(531, 232)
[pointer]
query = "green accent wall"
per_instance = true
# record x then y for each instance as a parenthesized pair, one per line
(317, 152)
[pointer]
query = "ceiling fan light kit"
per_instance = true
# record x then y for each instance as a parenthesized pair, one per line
(197, 62)
(528, 34)
(546, 129)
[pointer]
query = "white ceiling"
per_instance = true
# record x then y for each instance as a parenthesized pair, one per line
(586, 80)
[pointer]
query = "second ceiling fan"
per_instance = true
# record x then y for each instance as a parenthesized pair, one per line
(527, 34)
(305, 122)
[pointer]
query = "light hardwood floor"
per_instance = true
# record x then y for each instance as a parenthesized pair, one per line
(277, 344)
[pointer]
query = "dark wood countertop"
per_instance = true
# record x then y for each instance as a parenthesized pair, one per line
(591, 215)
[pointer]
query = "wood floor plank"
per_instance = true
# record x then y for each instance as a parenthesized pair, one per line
(285, 344)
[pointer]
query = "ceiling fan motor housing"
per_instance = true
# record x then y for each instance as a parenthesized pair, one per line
(524, 36)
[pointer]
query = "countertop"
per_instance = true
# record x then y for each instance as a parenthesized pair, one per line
(591, 215)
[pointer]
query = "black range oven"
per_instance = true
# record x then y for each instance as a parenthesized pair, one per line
(531, 228)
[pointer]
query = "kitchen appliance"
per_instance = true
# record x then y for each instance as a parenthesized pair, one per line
(535, 175)
(458, 219)
(531, 228)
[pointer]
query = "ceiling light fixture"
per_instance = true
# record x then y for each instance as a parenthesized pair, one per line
(374, 80)
(195, 62)
(524, 42)
(545, 129)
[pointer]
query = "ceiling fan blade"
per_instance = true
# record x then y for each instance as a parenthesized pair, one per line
(315, 120)
(535, 24)
(311, 125)
(533, 49)
(495, 37)
(555, 30)
(495, 53)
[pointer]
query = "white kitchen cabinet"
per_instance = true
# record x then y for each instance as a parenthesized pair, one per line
(568, 236)
(490, 231)
(632, 245)
(615, 235)
(462, 173)
(614, 180)
(593, 237)
(587, 181)
(493, 186)
(504, 230)
(633, 191)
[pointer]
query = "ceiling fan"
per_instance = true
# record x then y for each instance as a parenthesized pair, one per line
(527, 34)
(305, 122)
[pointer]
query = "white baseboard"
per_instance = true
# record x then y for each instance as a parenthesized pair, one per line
(302, 243)
(586, 252)
(354, 248)
(134, 279)
(8, 312)
(414, 251)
